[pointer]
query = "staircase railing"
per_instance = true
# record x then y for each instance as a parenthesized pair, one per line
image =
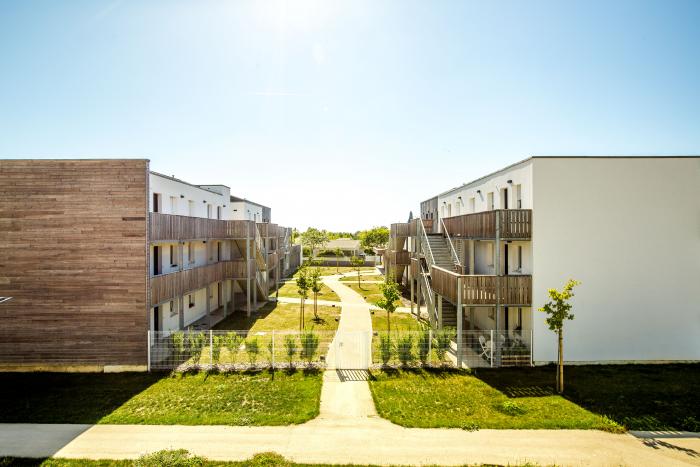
(428, 294)
(425, 244)
(455, 256)
(260, 260)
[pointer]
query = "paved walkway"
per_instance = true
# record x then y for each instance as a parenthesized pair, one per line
(348, 430)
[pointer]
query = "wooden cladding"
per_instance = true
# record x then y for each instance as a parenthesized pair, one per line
(164, 227)
(513, 224)
(400, 230)
(272, 260)
(398, 257)
(73, 249)
(168, 286)
(415, 268)
(482, 289)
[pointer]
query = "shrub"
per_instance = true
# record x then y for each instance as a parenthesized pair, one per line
(443, 338)
(252, 348)
(217, 344)
(424, 346)
(268, 459)
(232, 341)
(510, 408)
(290, 346)
(386, 348)
(404, 349)
(309, 345)
(178, 339)
(170, 458)
(196, 342)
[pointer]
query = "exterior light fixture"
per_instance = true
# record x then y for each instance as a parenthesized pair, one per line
(510, 182)
(182, 196)
(204, 201)
(478, 192)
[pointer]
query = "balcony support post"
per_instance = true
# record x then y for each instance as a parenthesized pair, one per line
(472, 250)
(181, 312)
(249, 272)
(439, 306)
(224, 292)
(411, 275)
(460, 332)
(180, 255)
(209, 305)
(496, 356)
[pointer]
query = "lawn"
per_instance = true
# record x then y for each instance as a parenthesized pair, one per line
(289, 289)
(399, 322)
(331, 270)
(363, 278)
(252, 398)
(370, 292)
(607, 397)
(283, 317)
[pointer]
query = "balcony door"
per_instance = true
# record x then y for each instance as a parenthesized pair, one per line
(504, 198)
(156, 260)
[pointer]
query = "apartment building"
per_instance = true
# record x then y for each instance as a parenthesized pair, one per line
(484, 254)
(98, 252)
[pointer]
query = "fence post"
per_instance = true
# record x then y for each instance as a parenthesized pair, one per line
(531, 336)
(430, 346)
(272, 357)
(491, 348)
(211, 348)
(148, 346)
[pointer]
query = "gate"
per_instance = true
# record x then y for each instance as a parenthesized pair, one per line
(352, 350)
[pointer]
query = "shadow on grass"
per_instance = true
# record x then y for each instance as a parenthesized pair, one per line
(638, 397)
(239, 321)
(68, 397)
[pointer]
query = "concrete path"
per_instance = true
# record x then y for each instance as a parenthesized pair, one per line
(348, 430)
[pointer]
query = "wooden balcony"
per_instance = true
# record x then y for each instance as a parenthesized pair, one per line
(164, 227)
(272, 260)
(514, 224)
(482, 290)
(398, 257)
(168, 286)
(400, 230)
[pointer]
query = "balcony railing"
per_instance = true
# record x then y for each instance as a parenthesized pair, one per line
(178, 283)
(181, 228)
(400, 230)
(398, 257)
(482, 289)
(513, 224)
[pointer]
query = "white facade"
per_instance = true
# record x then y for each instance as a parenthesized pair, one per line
(171, 196)
(246, 211)
(628, 228)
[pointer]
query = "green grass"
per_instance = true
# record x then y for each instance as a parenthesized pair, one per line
(607, 397)
(371, 292)
(289, 289)
(170, 458)
(399, 322)
(363, 278)
(331, 270)
(252, 398)
(283, 317)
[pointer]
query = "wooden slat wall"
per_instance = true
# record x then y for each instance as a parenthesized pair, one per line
(399, 257)
(73, 254)
(514, 223)
(399, 230)
(164, 227)
(169, 286)
(481, 289)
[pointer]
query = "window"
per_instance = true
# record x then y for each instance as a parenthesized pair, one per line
(173, 258)
(156, 202)
(518, 197)
(190, 208)
(190, 300)
(173, 310)
(190, 252)
(449, 210)
(208, 211)
(458, 210)
(218, 212)
(504, 198)
(218, 251)
(489, 201)
(472, 204)
(520, 258)
(173, 205)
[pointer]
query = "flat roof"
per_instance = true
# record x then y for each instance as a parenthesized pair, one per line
(244, 200)
(554, 157)
(175, 179)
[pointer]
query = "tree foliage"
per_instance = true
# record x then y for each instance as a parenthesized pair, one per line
(390, 295)
(374, 238)
(314, 238)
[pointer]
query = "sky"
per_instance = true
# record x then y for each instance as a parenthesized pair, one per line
(346, 114)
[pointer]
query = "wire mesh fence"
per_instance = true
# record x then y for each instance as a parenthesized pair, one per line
(238, 350)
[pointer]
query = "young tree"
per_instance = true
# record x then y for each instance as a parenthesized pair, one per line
(558, 311)
(315, 285)
(302, 290)
(338, 254)
(357, 262)
(313, 239)
(390, 295)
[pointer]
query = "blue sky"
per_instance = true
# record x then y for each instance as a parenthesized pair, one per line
(346, 114)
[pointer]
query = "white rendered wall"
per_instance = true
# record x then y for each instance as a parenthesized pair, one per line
(200, 306)
(200, 198)
(520, 174)
(629, 230)
(245, 211)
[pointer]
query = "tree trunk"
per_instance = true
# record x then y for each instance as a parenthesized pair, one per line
(388, 321)
(560, 369)
(316, 306)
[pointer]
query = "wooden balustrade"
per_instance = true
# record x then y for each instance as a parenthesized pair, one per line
(415, 268)
(398, 257)
(514, 224)
(272, 260)
(181, 228)
(481, 289)
(172, 285)
(400, 230)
